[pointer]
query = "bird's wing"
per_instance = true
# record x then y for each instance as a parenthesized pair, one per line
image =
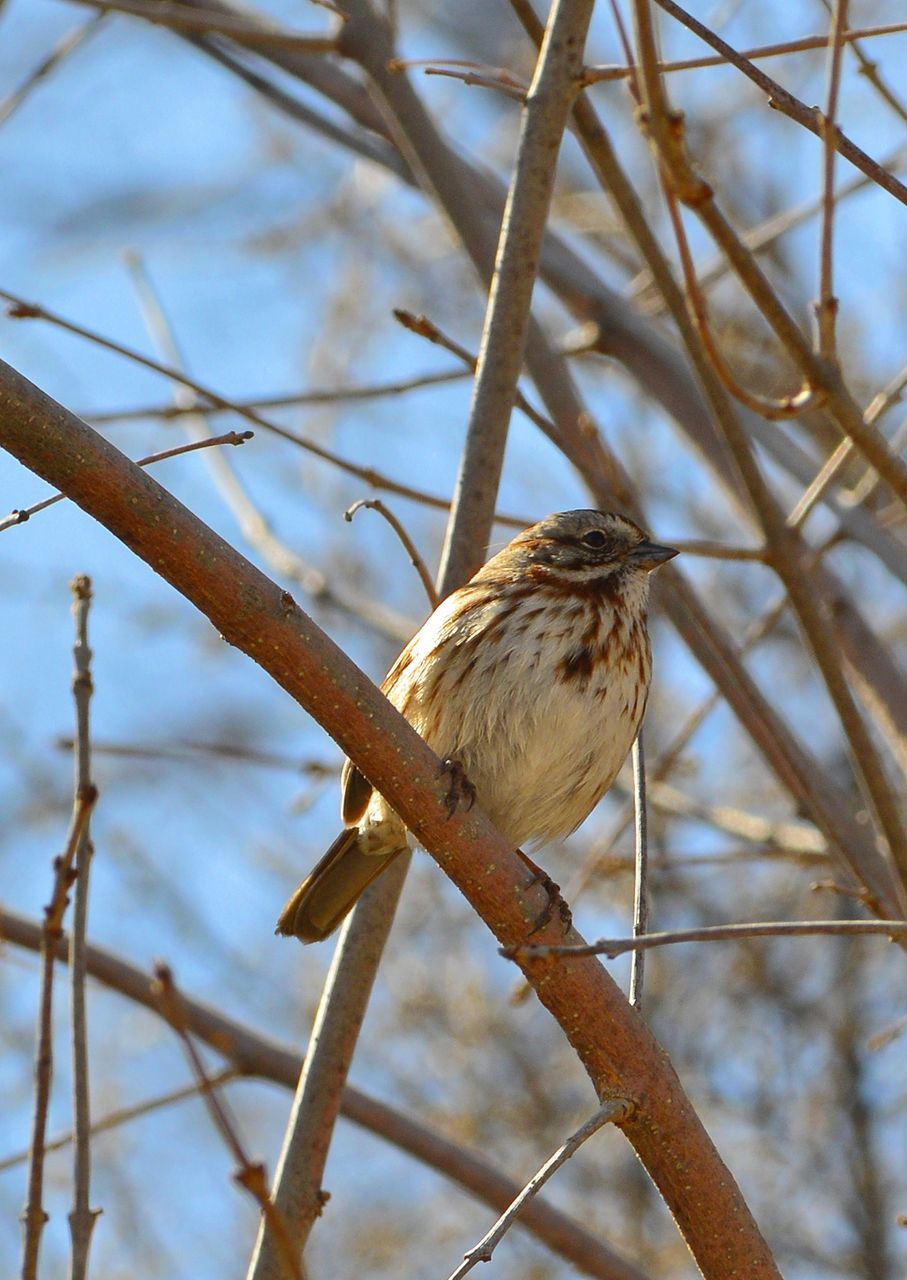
(356, 790)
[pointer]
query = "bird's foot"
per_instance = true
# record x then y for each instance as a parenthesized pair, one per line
(555, 901)
(459, 790)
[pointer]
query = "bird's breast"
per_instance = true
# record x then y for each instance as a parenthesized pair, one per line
(540, 704)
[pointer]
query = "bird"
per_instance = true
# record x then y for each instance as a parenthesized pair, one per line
(530, 682)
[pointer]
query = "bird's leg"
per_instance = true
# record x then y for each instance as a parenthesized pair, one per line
(459, 788)
(554, 896)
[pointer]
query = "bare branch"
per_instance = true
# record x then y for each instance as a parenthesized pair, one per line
(186, 748)
(641, 877)
(180, 17)
(375, 504)
(82, 1217)
(333, 395)
(827, 304)
(33, 1216)
(547, 109)
(249, 1175)
(613, 947)
(122, 1115)
(230, 437)
(612, 1112)
(805, 44)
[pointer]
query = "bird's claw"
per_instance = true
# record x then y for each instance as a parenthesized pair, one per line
(554, 897)
(554, 901)
(459, 787)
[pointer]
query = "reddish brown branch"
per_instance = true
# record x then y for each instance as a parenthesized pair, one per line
(617, 1050)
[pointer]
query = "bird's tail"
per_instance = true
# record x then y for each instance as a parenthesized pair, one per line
(330, 892)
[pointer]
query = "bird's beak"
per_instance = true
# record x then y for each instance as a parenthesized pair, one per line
(649, 555)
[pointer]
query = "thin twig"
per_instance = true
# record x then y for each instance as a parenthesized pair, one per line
(805, 44)
(185, 748)
(179, 17)
(869, 482)
(827, 304)
(230, 437)
(33, 1216)
(82, 1217)
(501, 83)
(425, 328)
(613, 947)
(882, 1039)
(760, 237)
(641, 861)
(123, 1115)
(831, 468)
(870, 70)
(789, 406)
(375, 504)
(333, 395)
(611, 1112)
(676, 863)
(251, 1176)
(48, 65)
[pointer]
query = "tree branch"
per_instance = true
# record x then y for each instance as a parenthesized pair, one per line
(613, 947)
(615, 1047)
(82, 1217)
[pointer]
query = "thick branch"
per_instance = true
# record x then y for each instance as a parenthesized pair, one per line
(617, 1050)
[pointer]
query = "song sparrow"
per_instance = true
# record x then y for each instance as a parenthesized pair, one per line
(531, 680)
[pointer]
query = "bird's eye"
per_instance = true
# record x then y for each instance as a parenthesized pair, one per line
(594, 538)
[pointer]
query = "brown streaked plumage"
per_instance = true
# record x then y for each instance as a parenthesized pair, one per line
(533, 678)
